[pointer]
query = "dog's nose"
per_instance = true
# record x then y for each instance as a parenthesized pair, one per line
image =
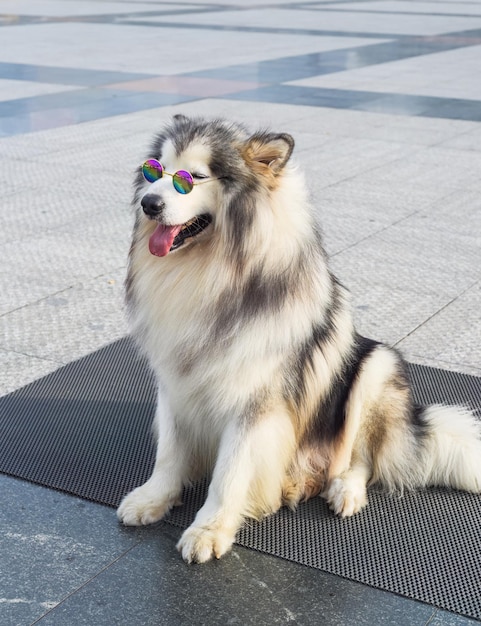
(152, 204)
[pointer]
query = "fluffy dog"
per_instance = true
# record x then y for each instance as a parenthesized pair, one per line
(264, 383)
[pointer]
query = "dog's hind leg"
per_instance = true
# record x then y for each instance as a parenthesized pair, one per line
(247, 481)
(350, 469)
(151, 501)
(375, 411)
(346, 494)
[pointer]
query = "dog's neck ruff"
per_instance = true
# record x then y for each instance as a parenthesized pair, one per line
(165, 239)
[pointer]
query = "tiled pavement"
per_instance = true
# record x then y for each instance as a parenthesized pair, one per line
(384, 101)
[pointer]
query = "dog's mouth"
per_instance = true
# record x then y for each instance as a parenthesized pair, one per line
(166, 239)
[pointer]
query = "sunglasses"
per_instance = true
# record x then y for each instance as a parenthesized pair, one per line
(183, 181)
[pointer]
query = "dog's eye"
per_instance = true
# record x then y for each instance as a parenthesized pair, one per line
(199, 176)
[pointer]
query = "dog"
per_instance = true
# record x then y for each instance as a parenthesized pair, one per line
(264, 385)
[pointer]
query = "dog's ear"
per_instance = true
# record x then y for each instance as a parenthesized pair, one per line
(179, 117)
(267, 153)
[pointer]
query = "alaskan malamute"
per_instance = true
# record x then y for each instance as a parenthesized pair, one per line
(264, 383)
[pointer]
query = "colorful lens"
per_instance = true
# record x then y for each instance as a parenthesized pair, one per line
(152, 170)
(183, 181)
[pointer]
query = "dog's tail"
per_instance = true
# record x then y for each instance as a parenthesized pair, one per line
(443, 448)
(452, 448)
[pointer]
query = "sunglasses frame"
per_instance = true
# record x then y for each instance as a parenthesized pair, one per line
(179, 174)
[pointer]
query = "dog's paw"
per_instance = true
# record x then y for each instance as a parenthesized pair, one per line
(143, 506)
(200, 544)
(346, 496)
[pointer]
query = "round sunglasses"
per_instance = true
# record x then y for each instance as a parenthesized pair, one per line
(183, 181)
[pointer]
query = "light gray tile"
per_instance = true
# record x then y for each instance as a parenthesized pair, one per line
(134, 128)
(475, 185)
(37, 267)
(349, 212)
(112, 160)
(450, 73)
(339, 20)
(56, 8)
(429, 262)
(408, 6)
(403, 275)
(255, 115)
(470, 140)
(17, 370)
(284, 18)
(112, 40)
(387, 312)
(70, 323)
(346, 158)
(430, 167)
(414, 131)
(13, 89)
(72, 202)
(17, 175)
(460, 213)
(452, 336)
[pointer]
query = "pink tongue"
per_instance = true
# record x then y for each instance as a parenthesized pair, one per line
(162, 238)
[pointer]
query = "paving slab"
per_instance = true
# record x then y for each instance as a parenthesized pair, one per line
(383, 100)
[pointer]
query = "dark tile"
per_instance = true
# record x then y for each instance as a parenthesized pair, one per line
(309, 96)
(245, 587)
(287, 68)
(65, 76)
(13, 125)
(269, 30)
(100, 98)
(444, 618)
(51, 544)
(398, 104)
(68, 561)
(315, 64)
(407, 47)
(454, 109)
(73, 107)
(17, 20)
(469, 37)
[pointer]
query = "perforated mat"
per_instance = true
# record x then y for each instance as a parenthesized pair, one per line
(85, 429)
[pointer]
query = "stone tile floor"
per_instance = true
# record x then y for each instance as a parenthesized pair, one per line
(383, 98)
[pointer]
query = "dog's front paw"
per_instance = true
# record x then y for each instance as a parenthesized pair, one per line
(143, 506)
(199, 544)
(346, 496)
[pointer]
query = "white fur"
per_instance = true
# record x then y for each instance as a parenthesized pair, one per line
(224, 403)
(243, 459)
(450, 455)
(453, 454)
(150, 502)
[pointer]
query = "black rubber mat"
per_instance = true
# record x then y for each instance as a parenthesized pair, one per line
(85, 430)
